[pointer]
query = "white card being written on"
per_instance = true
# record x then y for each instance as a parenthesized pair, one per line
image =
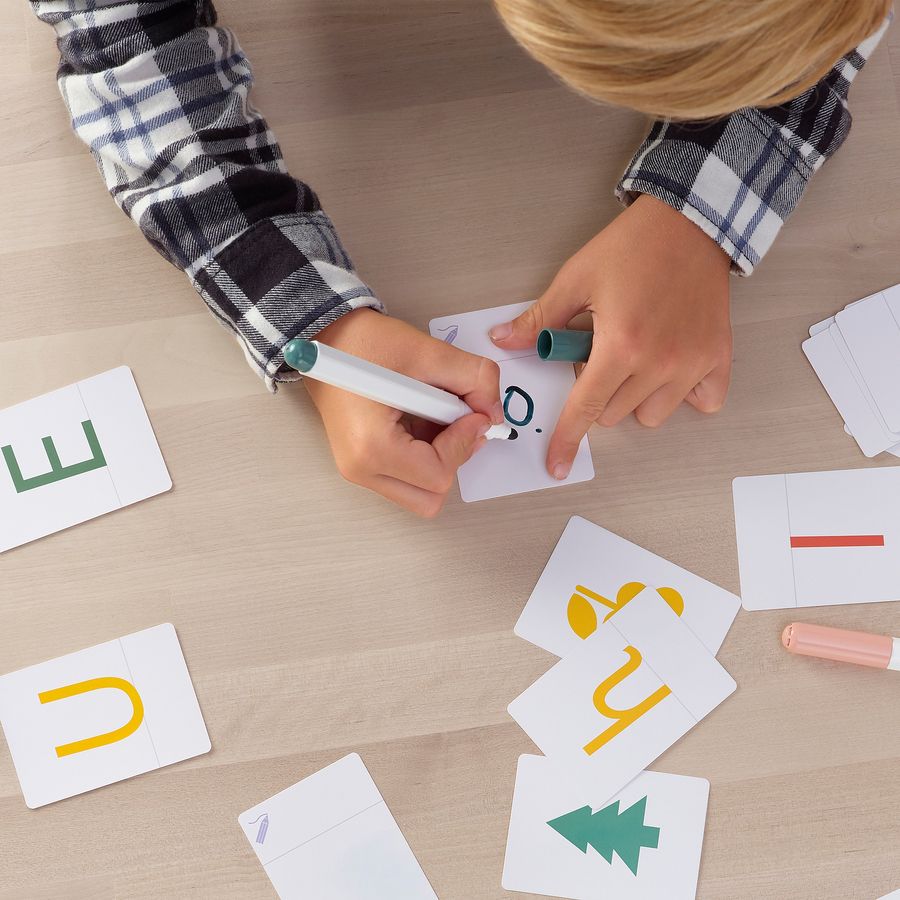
(101, 715)
(533, 392)
(593, 572)
(75, 454)
(332, 837)
(567, 839)
(818, 538)
(640, 682)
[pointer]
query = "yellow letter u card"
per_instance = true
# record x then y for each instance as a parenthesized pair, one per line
(101, 715)
(625, 695)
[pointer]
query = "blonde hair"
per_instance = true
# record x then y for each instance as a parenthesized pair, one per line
(691, 59)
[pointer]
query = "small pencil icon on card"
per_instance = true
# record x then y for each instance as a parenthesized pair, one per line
(263, 829)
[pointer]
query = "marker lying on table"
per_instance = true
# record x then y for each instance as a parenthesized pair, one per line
(876, 650)
(562, 345)
(365, 379)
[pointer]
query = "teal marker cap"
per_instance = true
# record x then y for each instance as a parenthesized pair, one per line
(562, 345)
(300, 355)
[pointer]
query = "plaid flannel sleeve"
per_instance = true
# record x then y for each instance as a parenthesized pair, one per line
(739, 178)
(162, 98)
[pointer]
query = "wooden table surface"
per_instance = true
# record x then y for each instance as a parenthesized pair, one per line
(315, 618)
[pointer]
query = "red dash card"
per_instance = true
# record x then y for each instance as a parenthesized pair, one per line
(818, 538)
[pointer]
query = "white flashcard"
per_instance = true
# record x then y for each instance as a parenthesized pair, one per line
(866, 407)
(101, 715)
(872, 333)
(75, 454)
(893, 895)
(829, 358)
(632, 689)
(533, 393)
(818, 538)
(592, 573)
(332, 837)
(868, 397)
(569, 839)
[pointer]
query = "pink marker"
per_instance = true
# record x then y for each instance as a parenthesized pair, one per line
(876, 650)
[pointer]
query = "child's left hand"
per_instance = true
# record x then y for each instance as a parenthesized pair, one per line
(657, 289)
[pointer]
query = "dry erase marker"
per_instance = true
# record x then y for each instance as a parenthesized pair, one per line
(876, 650)
(365, 379)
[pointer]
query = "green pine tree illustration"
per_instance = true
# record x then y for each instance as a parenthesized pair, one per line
(608, 831)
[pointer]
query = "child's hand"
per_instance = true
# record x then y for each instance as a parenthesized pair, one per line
(411, 462)
(657, 289)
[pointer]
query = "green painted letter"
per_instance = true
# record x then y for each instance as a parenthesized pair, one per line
(57, 472)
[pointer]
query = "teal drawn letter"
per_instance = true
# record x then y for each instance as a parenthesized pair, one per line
(57, 472)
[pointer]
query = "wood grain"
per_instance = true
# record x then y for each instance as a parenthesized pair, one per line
(316, 619)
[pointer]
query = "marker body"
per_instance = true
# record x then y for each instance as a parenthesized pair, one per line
(365, 379)
(858, 647)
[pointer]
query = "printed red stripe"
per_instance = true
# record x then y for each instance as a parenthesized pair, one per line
(838, 540)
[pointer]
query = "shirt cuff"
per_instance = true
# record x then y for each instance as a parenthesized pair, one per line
(738, 179)
(285, 277)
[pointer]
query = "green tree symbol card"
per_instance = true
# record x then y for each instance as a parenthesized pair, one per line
(567, 839)
(74, 454)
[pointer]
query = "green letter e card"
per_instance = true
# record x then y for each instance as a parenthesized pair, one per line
(74, 454)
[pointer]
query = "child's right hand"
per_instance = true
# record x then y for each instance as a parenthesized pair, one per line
(410, 462)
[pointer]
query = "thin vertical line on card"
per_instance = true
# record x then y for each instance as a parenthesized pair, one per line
(787, 507)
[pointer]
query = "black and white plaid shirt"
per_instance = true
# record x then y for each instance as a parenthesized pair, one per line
(161, 96)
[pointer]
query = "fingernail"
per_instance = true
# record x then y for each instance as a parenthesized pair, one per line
(497, 416)
(480, 443)
(483, 429)
(501, 332)
(561, 471)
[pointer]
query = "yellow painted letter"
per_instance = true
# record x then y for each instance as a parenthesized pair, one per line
(583, 618)
(96, 684)
(623, 717)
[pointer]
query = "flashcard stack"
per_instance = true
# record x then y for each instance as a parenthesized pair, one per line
(856, 355)
(637, 637)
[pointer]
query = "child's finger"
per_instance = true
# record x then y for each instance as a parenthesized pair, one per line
(598, 382)
(457, 442)
(555, 309)
(474, 378)
(421, 502)
(432, 467)
(660, 404)
(709, 395)
(630, 395)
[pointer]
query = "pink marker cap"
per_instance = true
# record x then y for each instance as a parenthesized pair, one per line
(835, 643)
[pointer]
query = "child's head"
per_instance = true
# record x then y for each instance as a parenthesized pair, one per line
(691, 59)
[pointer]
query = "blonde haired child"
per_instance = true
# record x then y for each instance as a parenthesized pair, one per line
(691, 59)
(160, 94)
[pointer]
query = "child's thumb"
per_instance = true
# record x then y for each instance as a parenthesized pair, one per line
(457, 442)
(522, 332)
